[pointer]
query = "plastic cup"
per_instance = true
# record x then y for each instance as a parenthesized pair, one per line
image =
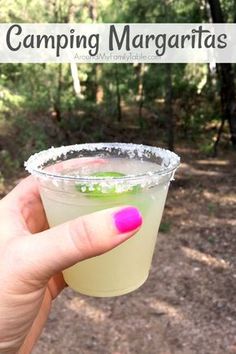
(69, 189)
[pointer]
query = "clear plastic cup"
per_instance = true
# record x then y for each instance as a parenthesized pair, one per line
(81, 179)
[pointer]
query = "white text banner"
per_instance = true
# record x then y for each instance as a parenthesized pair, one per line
(117, 43)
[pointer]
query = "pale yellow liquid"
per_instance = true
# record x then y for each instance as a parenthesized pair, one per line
(126, 267)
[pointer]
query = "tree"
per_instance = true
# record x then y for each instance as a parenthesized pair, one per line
(226, 79)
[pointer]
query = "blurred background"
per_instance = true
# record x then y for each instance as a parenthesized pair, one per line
(188, 304)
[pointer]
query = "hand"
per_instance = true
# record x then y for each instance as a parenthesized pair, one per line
(33, 256)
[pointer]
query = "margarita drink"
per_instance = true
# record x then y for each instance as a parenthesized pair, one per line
(101, 181)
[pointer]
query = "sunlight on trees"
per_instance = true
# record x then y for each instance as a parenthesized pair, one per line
(49, 103)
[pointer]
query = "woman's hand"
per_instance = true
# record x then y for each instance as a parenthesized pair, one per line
(33, 256)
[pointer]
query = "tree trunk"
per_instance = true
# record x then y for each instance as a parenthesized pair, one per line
(75, 78)
(97, 72)
(168, 106)
(220, 130)
(118, 96)
(140, 96)
(169, 15)
(234, 11)
(227, 93)
(57, 103)
(99, 94)
(216, 11)
(226, 78)
(93, 10)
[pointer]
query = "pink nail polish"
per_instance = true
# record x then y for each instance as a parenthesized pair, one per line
(127, 219)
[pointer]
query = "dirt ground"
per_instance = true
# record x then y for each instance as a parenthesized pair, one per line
(188, 304)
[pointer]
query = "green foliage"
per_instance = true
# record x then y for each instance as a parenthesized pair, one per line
(211, 208)
(9, 98)
(1, 182)
(9, 165)
(39, 106)
(206, 148)
(165, 227)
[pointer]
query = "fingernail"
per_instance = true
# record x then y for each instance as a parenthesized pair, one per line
(127, 219)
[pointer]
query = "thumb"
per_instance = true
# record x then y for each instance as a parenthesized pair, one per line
(49, 252)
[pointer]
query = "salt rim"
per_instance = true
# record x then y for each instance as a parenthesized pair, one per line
(170, 160)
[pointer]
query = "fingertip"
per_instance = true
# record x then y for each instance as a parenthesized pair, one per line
(127, 219)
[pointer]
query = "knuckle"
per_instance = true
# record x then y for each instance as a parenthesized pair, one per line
(82, 236)
(12, 257)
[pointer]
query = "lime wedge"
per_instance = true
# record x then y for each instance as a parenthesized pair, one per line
(111, 192)
(108, 174)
